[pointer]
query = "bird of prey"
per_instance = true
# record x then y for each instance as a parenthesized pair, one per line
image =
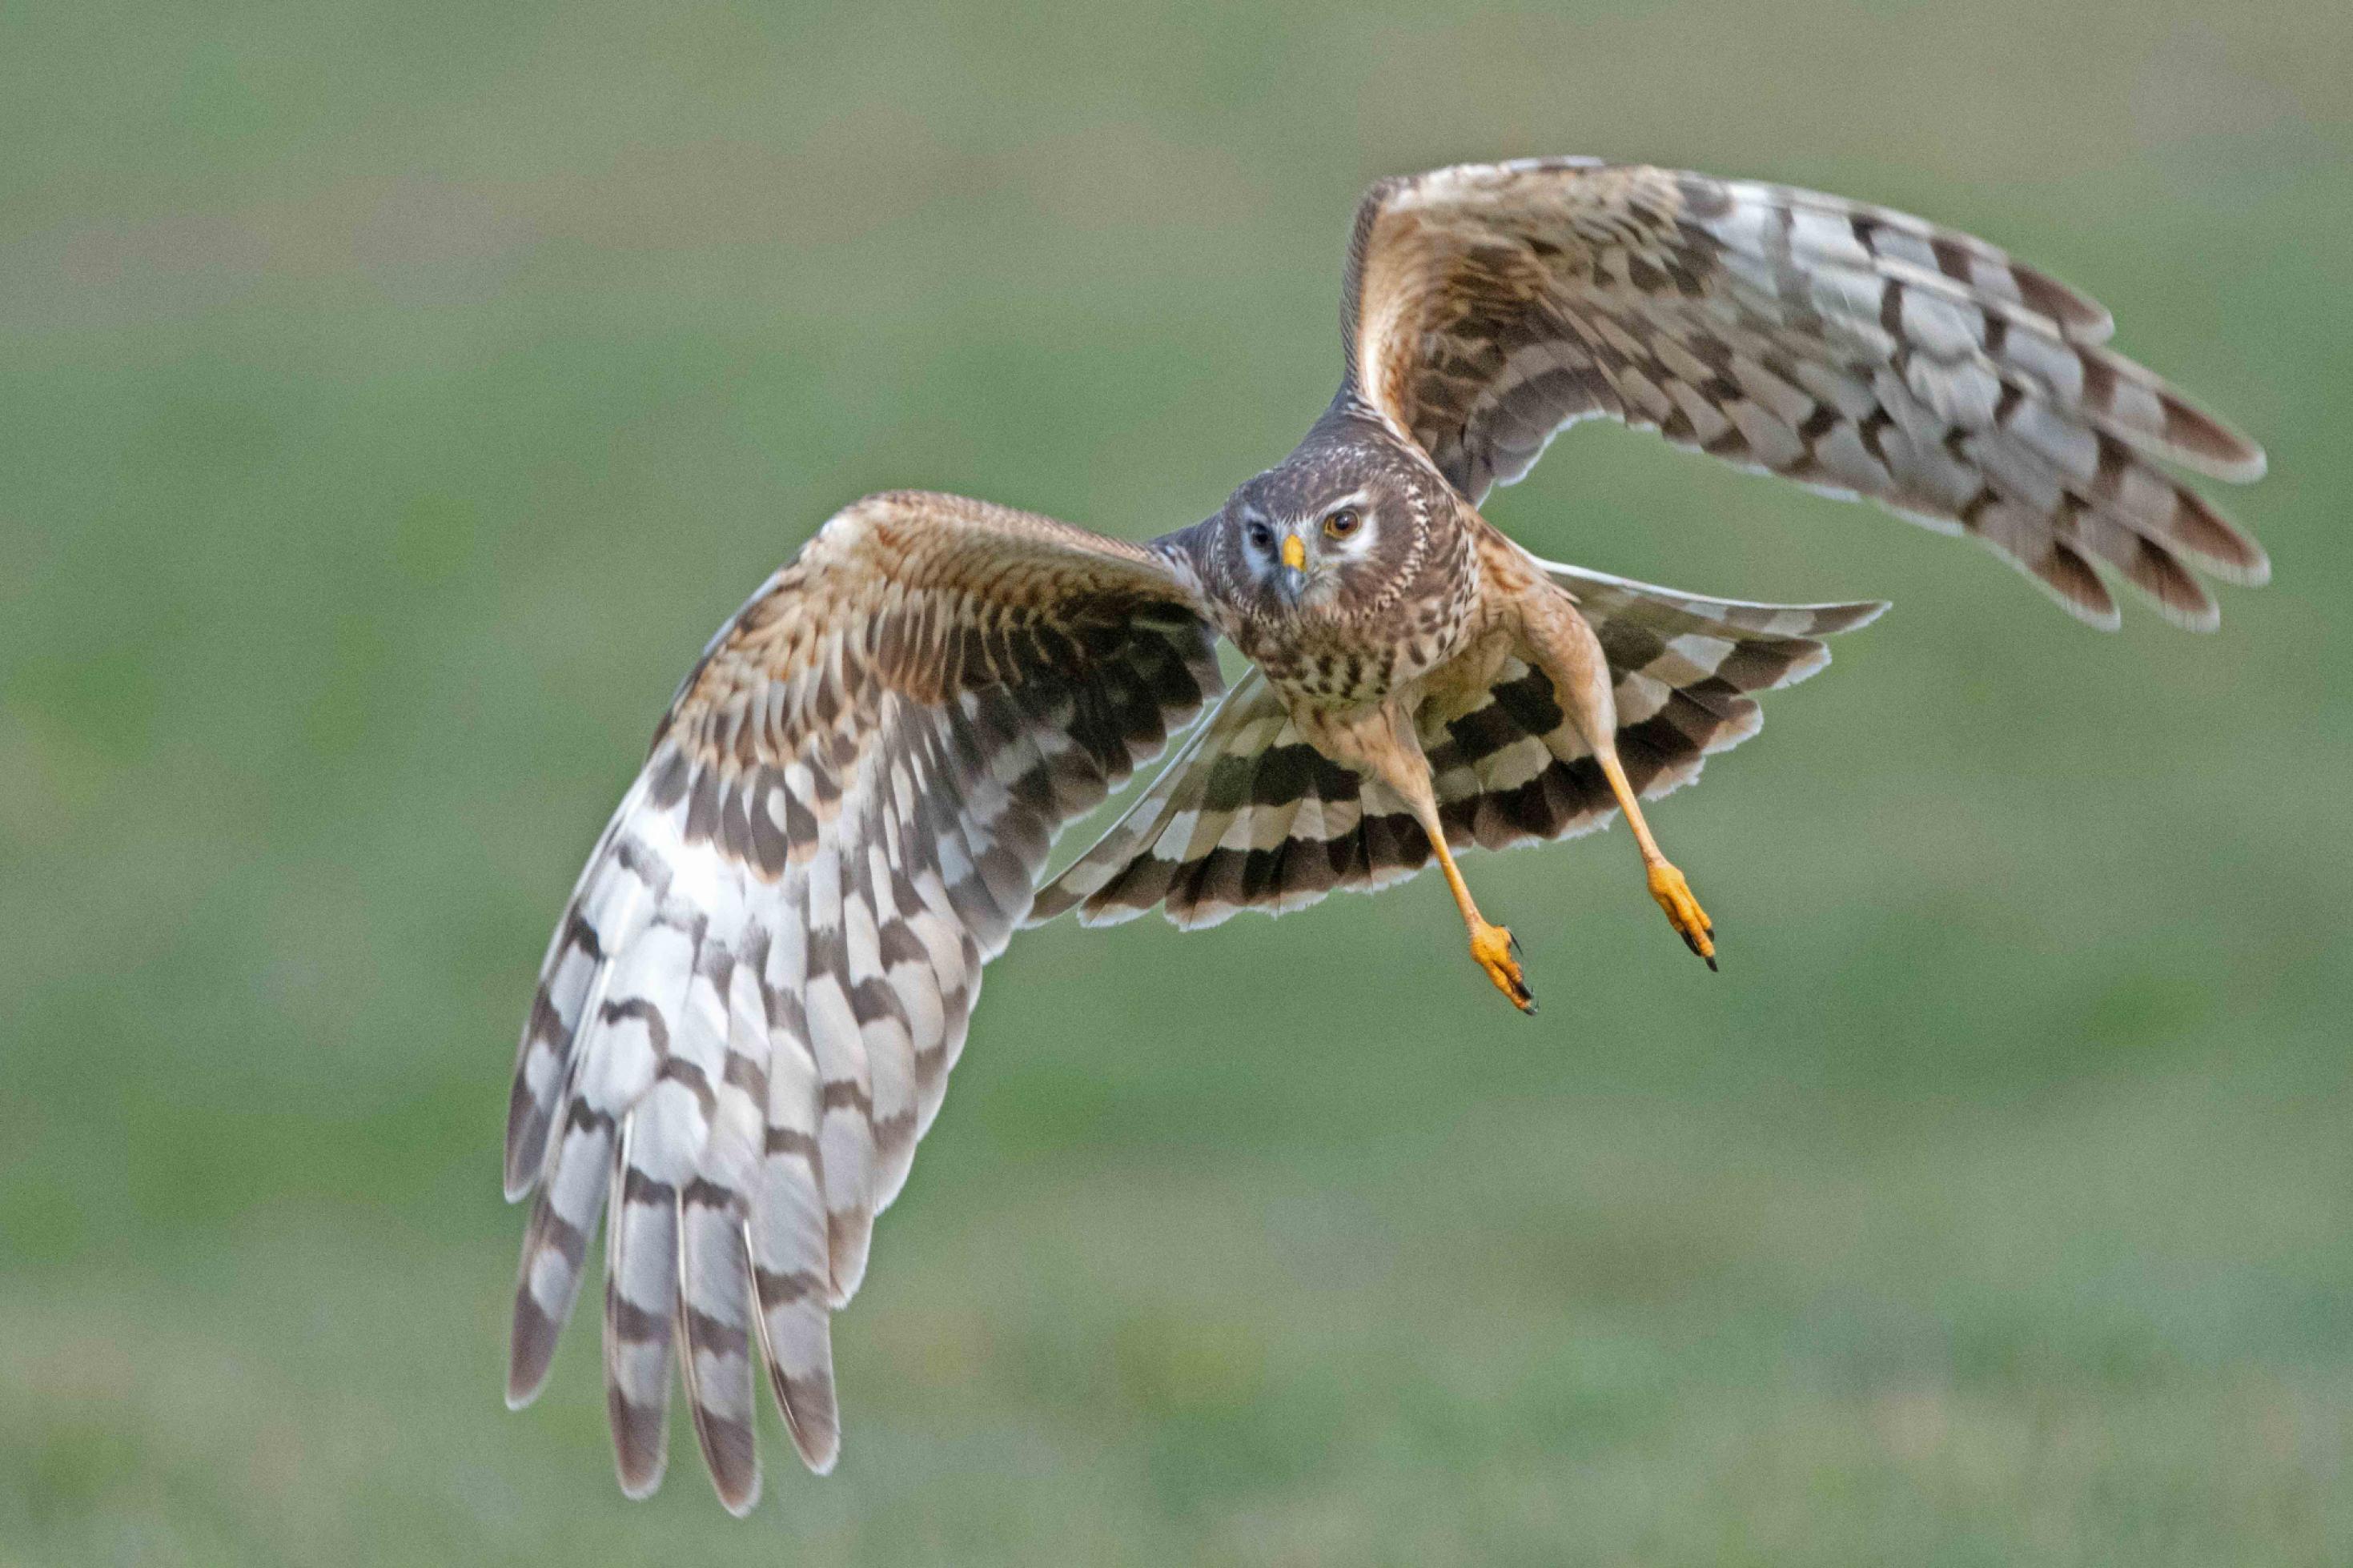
(747, 1015)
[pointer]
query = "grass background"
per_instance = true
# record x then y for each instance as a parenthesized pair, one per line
(391, 398)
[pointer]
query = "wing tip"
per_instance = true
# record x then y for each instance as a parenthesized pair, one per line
(2241, 463)
(2100, 618)
(2202, 441)
(2101, 615)
(740, 1497)
(812, 1419)
(2200, 615)
(1853, 617)
(2080, 319)
(640, 1445)
(849, 1241)
(531, 1352)
(1050, 903)
(1803, 667)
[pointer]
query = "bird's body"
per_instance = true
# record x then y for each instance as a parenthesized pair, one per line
(1388, 608)
(747, 1017)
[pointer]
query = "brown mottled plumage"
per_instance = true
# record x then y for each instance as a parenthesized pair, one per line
(747, 1014)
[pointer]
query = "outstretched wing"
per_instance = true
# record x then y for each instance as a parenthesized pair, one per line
(747, 1015)
(1851, 348)
(1250, 815)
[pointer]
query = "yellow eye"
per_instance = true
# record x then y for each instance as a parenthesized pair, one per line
(1343, 523)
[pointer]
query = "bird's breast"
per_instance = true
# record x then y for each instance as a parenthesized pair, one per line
(1382, 636)
(1346, 663)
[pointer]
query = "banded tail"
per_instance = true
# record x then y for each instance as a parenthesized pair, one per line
(1248, 815)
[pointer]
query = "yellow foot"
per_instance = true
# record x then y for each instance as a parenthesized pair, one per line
(1683, 913)
(1494, 948)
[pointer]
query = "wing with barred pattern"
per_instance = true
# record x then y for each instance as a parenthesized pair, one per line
(1250, 815)
(1856, 350)
(747, 1015)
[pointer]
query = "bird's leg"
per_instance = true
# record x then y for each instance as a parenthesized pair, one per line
(1492, 947)
(1571, 658)
(1667, 884)
(1380, 741)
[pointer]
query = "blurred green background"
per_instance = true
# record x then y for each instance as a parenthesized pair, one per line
(393, 398)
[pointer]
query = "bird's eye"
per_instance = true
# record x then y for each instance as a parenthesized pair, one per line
(1259, 536)
(1343, 522)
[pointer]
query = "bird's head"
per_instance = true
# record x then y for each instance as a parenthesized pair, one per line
(1318, 541)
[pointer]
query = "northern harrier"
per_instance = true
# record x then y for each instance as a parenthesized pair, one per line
(747, 1016)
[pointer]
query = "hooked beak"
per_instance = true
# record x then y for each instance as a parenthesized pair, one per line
(1294, 565)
